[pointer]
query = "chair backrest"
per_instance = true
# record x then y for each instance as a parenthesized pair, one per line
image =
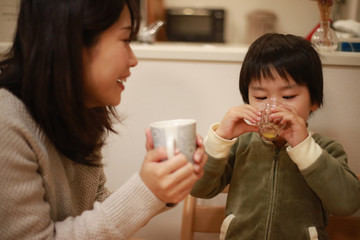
(344, 228)
(200, 218)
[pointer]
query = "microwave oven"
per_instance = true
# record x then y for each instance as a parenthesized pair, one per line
(195, 25)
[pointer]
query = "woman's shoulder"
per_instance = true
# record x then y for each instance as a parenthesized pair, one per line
(10, 105)
(15, 119)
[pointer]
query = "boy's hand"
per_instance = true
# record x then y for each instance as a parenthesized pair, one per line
(233, 123)
(295, 130)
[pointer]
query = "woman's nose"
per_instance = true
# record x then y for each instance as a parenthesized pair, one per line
(133, 61)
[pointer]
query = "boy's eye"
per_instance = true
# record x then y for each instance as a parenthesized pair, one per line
(260, 98)
(289, 97)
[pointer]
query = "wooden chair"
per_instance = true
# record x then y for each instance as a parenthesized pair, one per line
(344, 228)
(200, 218)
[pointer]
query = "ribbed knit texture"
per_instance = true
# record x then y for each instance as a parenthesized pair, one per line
(44, 195)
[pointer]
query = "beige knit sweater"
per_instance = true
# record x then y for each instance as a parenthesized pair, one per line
(44, 195)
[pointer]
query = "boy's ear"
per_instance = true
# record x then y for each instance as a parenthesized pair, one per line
(314, 107)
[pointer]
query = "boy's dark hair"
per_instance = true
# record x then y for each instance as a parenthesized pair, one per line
(286, 55)
(44, 69)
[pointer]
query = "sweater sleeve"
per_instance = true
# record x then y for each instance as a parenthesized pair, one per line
(32, 173)
(217, 171)
(330, 177)
(118, 217)
(305, 153)
(216, 146)
(26, 212)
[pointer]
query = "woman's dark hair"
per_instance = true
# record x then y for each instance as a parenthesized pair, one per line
(287, 55)
(44, 69)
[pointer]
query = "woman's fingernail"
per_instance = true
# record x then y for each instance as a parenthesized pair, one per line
(196, 168)
(197, 157)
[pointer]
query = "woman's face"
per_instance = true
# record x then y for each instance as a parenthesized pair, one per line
(107, 61)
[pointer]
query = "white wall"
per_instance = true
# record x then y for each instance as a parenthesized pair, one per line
(159, 90)
(352, 10)
(8, 15)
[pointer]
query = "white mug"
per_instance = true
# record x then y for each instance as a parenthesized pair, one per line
(177, 134)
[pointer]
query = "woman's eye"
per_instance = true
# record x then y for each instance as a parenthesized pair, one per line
(125, 39)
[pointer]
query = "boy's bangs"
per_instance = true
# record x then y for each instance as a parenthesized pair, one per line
(268, 71)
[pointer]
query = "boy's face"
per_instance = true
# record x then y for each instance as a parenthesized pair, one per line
(285, 91)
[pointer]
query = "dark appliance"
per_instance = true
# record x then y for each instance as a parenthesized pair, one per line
(195, 25)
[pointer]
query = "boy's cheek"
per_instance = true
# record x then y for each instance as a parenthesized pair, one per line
(254, 104)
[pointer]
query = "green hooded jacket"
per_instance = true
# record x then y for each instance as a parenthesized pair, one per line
(270, 198)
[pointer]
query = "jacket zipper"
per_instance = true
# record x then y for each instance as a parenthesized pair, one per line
(272, 195)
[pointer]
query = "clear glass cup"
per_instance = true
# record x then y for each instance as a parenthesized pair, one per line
(268, 129)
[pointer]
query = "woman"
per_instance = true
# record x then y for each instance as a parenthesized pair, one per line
(59, 84)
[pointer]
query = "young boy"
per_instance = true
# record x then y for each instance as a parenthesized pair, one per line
(284, 188)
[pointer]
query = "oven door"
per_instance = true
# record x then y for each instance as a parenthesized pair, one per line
(194, 25)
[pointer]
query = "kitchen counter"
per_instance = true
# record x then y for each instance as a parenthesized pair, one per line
(190, 51)
(215, 53)
(222, 53)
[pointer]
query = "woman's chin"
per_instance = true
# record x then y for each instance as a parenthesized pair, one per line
(116, 103)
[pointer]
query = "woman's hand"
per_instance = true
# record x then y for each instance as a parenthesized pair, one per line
(200, 157)
(233, 123)
(295, 130)
(171, 180)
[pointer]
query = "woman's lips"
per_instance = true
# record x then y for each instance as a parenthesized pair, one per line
(120, 83)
